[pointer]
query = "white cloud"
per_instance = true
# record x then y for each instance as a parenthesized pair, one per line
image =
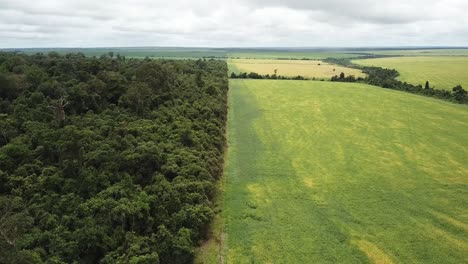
(221, 23)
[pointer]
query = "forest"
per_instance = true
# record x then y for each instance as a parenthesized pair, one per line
(108, 159)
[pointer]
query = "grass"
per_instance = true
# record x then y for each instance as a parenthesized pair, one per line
(441, 72)
(306, 68)
(423, 52)
(246, 53)
(321, 172)
(291, 54)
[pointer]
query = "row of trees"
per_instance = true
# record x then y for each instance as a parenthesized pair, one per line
(343, 78)
(386, 78)
(108, 160)
(254, 75)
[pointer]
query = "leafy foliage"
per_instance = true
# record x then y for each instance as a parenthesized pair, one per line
(254, 75)
(386, 78)
(108, 160)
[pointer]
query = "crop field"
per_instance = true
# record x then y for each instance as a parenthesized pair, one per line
(441, 72)
(306, 68)
(239, 53)
(423, 52)
(321, 172)
(313, 55)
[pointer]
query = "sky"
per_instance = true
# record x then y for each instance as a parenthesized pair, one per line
(233, 23)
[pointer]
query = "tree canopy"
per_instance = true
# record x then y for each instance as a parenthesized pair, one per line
(108, 160)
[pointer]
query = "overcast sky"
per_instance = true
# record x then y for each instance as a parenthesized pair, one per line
(233, 23)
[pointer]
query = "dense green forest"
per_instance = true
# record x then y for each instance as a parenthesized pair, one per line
(108, 160)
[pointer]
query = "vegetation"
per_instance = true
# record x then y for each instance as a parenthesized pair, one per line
(387, 78)
(326, 172)
(291, 68)
(290, 54)
(249, 53)
(254, 75)
(422, 52)
(137, 52)
(108, 160)
(343, 78)
(442, 72)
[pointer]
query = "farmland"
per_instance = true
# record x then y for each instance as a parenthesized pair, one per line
(321, 172)
(291, 54)
(306, 68)
(442, 72)
(422, 52)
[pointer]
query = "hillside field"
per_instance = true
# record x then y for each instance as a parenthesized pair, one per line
(321, 172)
(442, 72)
(306, 68)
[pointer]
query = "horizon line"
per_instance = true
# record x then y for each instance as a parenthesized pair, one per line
(246, 47)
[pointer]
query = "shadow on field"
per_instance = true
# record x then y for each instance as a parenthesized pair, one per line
(270, 214)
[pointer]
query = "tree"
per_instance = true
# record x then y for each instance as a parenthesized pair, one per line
(157, 76)
(460, 94)
(199, 80)
(342, 75)
(35, 75)
(137, 98)
(7, 87)
(7, 129)
(58, 107)
(13, 219)
(426, 86)
(129, 174)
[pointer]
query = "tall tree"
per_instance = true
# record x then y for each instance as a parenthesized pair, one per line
(426, 86)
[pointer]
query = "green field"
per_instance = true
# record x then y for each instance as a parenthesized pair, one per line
(442, 72)
(313, 55)
(422, 52)
(306, 68)
(321, 172)
(245, 53)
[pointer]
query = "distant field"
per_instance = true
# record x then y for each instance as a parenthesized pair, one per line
(181, 52)
(321, 172)
(306, 68)
(423, 52)
(265, 54)
(442, 72)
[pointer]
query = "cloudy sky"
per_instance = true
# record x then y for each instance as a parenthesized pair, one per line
(232, 23)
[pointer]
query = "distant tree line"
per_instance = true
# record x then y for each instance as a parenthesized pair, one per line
(254, 75)
(108, 160)
(386, 78)
(343, 78)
